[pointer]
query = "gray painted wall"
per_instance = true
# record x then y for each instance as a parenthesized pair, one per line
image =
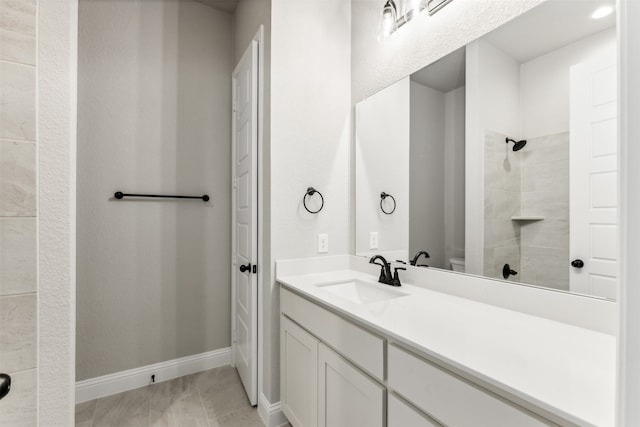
(154, 94)
(427, 174)
(454, 159)
(436, 199)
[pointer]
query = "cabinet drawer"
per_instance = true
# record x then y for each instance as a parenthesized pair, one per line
(450, 399)
(402, 415)
(361, 347)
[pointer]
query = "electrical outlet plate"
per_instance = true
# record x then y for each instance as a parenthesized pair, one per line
(323, 243)
(373, 240)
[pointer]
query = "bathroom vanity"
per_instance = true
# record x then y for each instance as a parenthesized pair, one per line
(355, 352)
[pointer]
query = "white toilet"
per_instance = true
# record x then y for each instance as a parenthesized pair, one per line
(457, 264)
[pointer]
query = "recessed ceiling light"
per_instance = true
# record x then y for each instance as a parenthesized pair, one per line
(601, 12)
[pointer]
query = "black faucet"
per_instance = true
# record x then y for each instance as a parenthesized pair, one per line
(385, 271)
(395, 281)
(418, 254)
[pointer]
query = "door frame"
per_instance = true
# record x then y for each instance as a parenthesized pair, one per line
(259, 99)
(628, 301)
(56, 119)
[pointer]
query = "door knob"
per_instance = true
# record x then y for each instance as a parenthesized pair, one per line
(245, 268)
(577, 263)
(5, 385)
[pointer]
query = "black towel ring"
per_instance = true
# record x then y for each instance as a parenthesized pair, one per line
(310, 192)
(383, 196)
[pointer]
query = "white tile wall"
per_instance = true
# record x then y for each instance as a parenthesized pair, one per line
(18, 31)
(17, 109)
(17, 178)
(502, 200)
(532, 181)
(17, 255)
(18, 332)
(545, 191)
(19, 407)
(18, 211)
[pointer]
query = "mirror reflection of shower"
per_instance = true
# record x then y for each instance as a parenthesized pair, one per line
(517, 145)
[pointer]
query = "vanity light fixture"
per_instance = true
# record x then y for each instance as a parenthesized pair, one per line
(602, 12)
(390, 21)
(435, 5)
(414, 7)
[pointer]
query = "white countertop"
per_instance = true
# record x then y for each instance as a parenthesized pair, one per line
(564, 369)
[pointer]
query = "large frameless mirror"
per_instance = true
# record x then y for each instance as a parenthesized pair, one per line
(500, 159)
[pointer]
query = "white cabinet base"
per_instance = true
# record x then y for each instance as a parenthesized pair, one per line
(348, 387)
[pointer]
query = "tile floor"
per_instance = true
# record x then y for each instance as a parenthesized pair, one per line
(213, 398)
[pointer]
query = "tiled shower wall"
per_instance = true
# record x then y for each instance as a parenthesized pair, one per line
(18, 211)
(532, 181)
(545, 191)
(502, 198)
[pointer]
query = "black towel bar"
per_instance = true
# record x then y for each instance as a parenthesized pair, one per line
(120, 195)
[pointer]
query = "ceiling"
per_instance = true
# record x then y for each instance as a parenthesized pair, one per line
(548, 27)
(228, 6)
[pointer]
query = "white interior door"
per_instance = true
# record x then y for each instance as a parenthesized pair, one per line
(593, 178)
(245, 221)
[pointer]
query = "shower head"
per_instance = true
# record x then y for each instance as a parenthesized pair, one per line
(517, 145)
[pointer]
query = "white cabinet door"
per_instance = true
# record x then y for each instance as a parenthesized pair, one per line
(347, 397)
(298, 374)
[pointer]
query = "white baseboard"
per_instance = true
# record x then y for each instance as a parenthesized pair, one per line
(107, 385)
(271, 414)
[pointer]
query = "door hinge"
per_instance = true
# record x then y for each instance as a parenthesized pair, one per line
(233, 260)
(234, 183)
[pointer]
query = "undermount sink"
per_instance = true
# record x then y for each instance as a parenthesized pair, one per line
(362, 292)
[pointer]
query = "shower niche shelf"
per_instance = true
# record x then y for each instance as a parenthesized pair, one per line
(527, 218)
